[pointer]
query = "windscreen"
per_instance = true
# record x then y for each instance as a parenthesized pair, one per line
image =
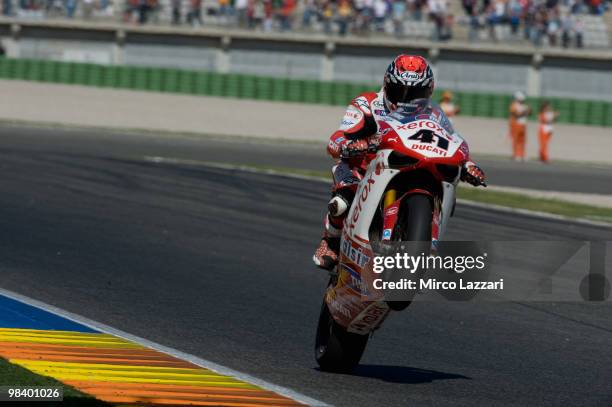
(422, 109)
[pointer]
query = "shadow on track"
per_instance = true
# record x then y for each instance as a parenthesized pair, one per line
(403, 374)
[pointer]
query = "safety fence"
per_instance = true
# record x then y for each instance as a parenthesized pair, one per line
(597, 113)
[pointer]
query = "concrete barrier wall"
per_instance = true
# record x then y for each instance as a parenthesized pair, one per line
(268, 88)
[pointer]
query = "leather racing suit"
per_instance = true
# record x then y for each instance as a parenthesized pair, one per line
(349, 146)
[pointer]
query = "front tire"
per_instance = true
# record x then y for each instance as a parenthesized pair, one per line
(337, 350)
(415, 220)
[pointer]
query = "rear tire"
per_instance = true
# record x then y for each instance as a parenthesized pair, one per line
(416, 215)
(337, 350)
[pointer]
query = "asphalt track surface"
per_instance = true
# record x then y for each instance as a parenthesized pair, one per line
(558, 176)
(216, 263)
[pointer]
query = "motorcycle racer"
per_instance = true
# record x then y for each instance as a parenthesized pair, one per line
(407, 78)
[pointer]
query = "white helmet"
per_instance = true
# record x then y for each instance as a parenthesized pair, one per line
(519, 96)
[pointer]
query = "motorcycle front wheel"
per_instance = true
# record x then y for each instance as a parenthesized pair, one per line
(415, 218)
(337, 350)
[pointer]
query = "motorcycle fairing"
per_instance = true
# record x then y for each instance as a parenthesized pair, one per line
(350, 304)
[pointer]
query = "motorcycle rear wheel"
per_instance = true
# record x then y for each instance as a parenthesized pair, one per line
(337, 350)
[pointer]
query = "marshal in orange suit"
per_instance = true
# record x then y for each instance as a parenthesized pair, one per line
(519, 112)
(547, 117)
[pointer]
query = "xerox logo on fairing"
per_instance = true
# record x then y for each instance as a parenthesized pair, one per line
(423, 124)
(362, 196)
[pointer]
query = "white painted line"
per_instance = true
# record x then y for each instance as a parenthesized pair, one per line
(164, 349)
(235, 167)
(255, 170)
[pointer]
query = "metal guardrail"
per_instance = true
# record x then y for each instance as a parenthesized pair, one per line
(191, 82)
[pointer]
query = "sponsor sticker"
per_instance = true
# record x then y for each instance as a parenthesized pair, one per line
(409, 76)
(392, 210)
(434, 150)
(363, 104)
(337, 306)
(352, 116)
(369, 318)
(354, 281)
(355, 253)
(423, 124)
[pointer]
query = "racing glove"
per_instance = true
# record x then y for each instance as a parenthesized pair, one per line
(473, 174)
(354, 148)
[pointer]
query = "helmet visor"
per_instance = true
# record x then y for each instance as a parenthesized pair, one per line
(397, 93)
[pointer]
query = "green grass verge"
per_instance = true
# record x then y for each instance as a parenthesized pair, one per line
(14, 375)
(522, 201)
(487, 196)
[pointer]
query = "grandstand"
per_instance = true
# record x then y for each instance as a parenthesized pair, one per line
(594, 30)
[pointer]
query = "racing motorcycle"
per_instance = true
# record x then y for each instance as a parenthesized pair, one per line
(407, 194)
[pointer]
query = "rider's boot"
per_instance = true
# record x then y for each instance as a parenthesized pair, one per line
(326, 254)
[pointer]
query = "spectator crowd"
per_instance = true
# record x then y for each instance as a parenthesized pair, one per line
(558, 22)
